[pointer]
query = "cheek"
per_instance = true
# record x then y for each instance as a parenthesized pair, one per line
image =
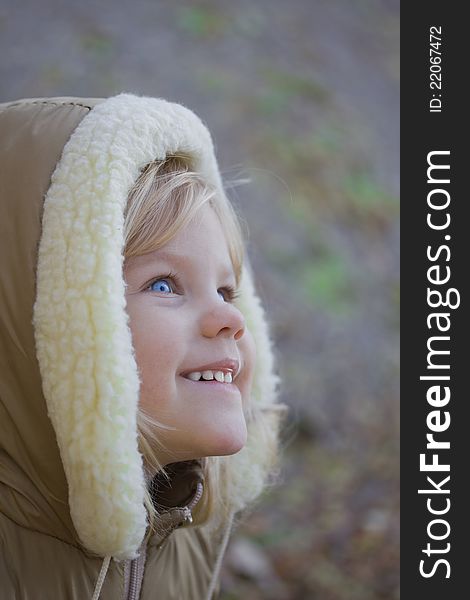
(157, 374)
(157, 348)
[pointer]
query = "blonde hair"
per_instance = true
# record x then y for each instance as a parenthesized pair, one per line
(164, 199)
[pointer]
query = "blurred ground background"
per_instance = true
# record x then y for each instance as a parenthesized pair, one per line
(303, 98)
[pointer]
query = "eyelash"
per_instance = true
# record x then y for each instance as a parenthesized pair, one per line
(231, 293)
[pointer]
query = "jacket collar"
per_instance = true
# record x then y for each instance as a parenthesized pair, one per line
(175, 498)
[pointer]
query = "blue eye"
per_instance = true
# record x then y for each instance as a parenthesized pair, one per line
(228, 294)
(162, 286)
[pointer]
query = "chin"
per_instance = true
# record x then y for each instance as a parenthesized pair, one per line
(228, 441)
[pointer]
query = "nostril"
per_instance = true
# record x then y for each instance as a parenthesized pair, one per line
(226, 320)
(239, 334)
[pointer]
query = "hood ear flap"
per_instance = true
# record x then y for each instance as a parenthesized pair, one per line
(83, 340)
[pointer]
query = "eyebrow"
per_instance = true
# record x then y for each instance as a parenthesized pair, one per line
(162, 255)
(182, 260)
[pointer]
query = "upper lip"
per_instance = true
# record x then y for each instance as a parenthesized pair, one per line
(227, 365)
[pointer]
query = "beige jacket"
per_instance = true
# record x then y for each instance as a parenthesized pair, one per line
(72, 519)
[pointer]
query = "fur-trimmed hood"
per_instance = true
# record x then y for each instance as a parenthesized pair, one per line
(69, 460)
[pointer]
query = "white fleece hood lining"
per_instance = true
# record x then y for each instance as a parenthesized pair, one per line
(83, 340)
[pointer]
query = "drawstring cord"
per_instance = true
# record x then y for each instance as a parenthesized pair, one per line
(191, 505)
(218, 564)
(102, 575)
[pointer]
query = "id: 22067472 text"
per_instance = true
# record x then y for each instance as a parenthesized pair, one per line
(435, 68)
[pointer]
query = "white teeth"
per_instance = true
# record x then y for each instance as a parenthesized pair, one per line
(196, 376)
(210, 375)
(219, 376)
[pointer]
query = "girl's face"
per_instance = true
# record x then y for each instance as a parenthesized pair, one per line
(183, 323)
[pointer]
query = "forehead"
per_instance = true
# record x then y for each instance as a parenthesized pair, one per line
(202, 239)
(203, 231)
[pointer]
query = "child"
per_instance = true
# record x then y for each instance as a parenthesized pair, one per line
(138, 397)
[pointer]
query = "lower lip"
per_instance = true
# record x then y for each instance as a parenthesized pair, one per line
(214, 385)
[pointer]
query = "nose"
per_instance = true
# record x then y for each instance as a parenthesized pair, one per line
(225, 320)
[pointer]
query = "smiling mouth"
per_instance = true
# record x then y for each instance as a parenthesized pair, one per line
(208, 376)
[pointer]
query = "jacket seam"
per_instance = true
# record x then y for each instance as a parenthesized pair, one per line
(23, 103)
(54, 537)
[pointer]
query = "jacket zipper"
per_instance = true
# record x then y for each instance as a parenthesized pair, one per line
(133, 580)
(134, 566)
